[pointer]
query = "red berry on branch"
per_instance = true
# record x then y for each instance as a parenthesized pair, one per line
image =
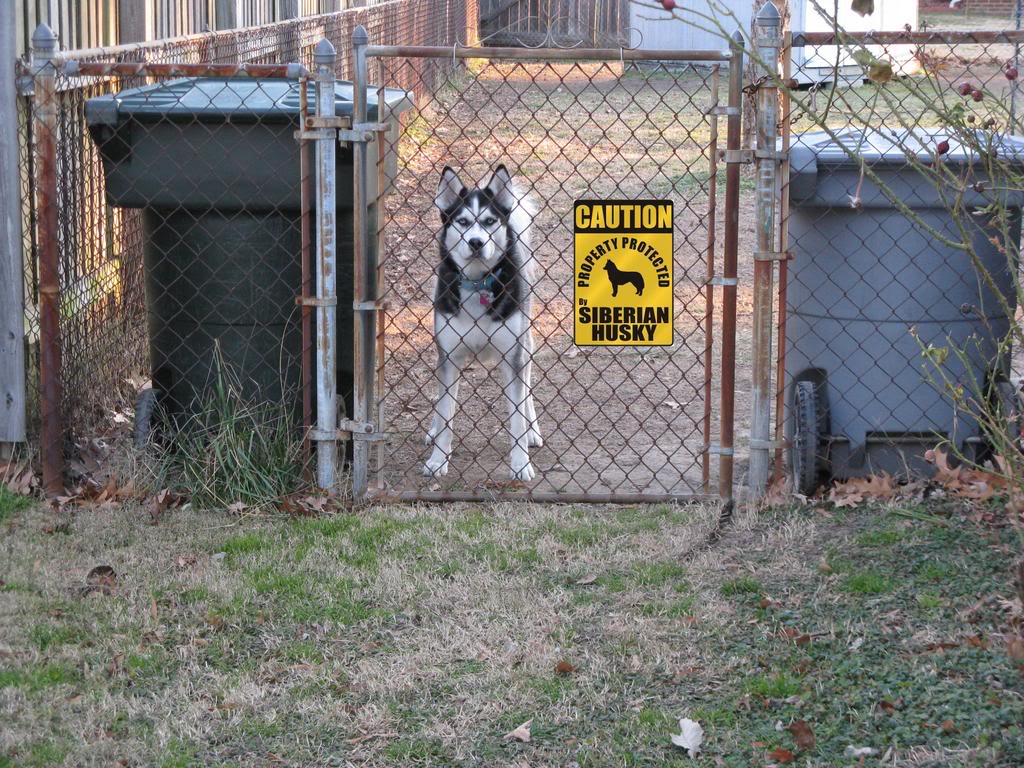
(942, 147)
(977, 95)
(668, 5)
(1011, 73)
(965, 89)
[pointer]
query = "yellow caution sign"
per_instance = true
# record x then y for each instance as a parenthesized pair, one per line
(623, 272)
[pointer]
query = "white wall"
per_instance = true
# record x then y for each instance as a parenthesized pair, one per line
(688, 32)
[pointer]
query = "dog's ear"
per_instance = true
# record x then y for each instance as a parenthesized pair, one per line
(449, 190)
(500, 186)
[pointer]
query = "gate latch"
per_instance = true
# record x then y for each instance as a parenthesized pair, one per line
(747, 156)
(361, 430)
(362, 132)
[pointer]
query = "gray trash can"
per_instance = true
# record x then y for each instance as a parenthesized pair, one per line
(214, 165)
(861, 281)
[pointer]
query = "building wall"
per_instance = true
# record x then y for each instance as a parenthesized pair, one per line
(1003, 8)
(94, 23)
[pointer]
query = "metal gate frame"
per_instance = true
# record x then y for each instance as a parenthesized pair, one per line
(368, 360)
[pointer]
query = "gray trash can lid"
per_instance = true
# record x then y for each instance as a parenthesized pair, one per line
(894, 146)
(217, 100)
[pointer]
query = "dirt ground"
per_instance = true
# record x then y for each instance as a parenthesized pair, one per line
(614, 419)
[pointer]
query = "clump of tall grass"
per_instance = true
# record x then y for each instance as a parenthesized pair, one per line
(234, 448)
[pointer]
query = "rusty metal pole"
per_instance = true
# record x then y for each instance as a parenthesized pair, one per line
(768, 42)
(44, 116)
(709, 288)
(365, 276)
(778, 465)
(326, 436)
(730, 249)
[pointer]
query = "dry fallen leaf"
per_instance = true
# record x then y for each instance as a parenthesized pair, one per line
(564, 668)
(184, 561)
(1015, 648)
(305, 505)
(857, 490)
(521, 733)
(802, 734)
(590, 578)
(17, 477)
(781, 755)
(161, 502)
(963, 481)
(948, 726)
(690, 736)
(102, 578)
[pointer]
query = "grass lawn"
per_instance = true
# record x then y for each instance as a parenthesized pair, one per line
(417, 635)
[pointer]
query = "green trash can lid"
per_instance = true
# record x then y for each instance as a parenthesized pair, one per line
(228, 99)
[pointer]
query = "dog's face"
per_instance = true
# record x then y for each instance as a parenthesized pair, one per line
(475, 221)
(609, 266)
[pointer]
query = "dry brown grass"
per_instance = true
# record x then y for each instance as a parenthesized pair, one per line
(421, 635)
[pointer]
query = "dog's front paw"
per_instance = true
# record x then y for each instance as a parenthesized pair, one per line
(534, 439)
(522, 470)
(435, 467)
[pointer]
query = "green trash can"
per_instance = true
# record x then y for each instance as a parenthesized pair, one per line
(214, 165)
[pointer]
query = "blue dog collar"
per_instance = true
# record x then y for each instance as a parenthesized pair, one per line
(485, 284)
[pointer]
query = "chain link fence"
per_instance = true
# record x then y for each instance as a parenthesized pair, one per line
(117, 253)
(887, 203)
(616, 422)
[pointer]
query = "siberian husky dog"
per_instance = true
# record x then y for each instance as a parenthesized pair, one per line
(482, 307)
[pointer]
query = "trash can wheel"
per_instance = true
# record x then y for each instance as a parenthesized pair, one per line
(145, 417)
(807, 418)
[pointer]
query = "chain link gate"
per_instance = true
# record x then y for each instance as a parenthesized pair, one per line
(629, 424)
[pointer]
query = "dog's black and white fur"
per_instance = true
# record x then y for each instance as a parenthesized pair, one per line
(482, 307)
(619, 277)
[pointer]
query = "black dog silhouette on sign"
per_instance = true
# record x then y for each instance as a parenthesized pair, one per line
(619, 278)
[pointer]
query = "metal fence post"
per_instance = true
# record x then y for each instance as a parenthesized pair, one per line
(324, 59)
(1018, 8)
(768, 43)
(364, 275)
(12, 260)
(730, 249)
(44, 115)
